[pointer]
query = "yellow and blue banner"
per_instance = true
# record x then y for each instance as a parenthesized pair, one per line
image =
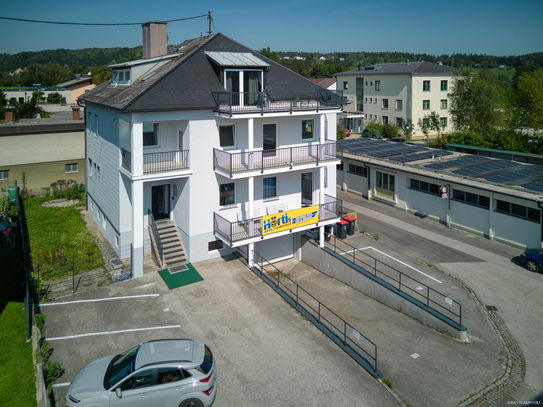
(295, 218)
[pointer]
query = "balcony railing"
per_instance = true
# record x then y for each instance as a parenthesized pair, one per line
(236, 231)
(277, 101)
(158, 162)
(260, 160)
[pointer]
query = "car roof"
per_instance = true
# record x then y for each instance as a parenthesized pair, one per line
(170, 350)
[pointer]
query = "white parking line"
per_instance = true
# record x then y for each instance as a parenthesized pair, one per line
(112, 332)
(393, 258)
(45, 304)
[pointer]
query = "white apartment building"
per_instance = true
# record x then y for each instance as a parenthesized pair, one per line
(235, 150)
(388, 93)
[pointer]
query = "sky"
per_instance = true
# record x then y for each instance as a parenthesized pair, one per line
(493, 27)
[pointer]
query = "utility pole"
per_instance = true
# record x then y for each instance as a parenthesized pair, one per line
(210, 19)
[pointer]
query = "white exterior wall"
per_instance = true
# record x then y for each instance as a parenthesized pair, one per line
(393, 87)
(487, 222)
(434, 96)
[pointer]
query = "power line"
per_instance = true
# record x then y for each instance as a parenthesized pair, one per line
(99, 24)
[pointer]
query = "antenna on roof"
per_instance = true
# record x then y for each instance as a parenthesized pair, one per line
(210, 20)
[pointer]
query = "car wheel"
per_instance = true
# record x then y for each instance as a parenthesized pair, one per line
(532, 266)
(191, 403)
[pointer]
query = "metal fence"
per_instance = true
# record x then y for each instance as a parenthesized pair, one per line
(348, 338)
(260, 160)
(419, 291)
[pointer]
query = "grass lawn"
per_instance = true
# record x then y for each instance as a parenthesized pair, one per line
(56, 235)
(17, 380)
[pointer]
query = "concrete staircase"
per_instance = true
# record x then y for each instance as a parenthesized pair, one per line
(174, 251)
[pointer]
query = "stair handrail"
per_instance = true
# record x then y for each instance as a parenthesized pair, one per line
(156, 237)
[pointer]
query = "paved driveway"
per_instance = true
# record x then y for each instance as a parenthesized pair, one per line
(267, 355)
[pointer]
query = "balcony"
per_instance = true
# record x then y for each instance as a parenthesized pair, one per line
(154, 163)
(257, 161)
(281, 101)
(246, 231)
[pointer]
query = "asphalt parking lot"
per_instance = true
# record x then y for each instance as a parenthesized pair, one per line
(266, 353)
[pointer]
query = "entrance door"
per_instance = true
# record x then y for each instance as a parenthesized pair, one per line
(307, 189)
(270, 140)
(160, 201)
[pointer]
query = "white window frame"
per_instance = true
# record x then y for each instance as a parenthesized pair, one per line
(228, 205)
(377, 86)
(384, 119)
(383, 103)
(441, 104)
(424, 104)
(399, 109)
(264, 198)
(156, 129)
(118, 73)
(3, 174)
(312, 129)
(228, 147)
(70, 168)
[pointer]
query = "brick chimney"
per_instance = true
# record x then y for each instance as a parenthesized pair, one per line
(9, 114)
(75, 112)
(155, 39)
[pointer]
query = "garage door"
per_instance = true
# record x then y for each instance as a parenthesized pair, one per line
(277, 249)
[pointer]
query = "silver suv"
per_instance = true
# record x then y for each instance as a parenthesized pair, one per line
(171, 372)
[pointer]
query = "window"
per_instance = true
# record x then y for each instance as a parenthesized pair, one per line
(169, 375)
(345, 85)
(150, 134)
(120, 77)
(4, 175)
(424, 186)
(471, 199)
(399, 105)
(216, 245)
(226, 136)
(140, 379)
(385, 119)
(366, 100)
(377, 85)
(269, 187)
(444, 86)
(71, 168)
(358, 170)
(90, 167)
(443, 103)
(520, 211)
(442, 122)
(227, 194)
(425, 105)
(384, 104)
(385, 185)
(426, 86)
(375, 101)
(307, 129)
(371, 100)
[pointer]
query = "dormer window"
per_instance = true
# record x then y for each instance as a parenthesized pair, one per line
(120, 77)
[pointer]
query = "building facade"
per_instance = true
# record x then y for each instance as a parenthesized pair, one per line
(390, 93)
(498, 199)
(235, 149)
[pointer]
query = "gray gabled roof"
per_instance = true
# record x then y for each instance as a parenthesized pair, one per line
(187, 81)
(409, 68)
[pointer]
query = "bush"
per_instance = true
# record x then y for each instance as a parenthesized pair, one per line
(340, 134)
(68, 189)
(390, 130)
(54, 97)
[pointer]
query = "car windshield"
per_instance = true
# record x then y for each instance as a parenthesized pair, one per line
(121, 366)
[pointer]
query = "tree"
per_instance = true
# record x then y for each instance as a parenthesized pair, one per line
(390, 130)
(530, 99)
(54, 97)
(3, 103)
(39, 96)
(373, 128)
(476, 102)
(407, 128)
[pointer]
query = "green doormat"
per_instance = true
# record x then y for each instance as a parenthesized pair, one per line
(180, 278)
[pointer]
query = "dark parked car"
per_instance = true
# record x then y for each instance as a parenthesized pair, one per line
(532, 259)
(372, 134)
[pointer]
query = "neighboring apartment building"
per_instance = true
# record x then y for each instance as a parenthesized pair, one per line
(388, 93)
(78, 86)
(234, 148)
(46, 150)
(25, 94)
(495, 198)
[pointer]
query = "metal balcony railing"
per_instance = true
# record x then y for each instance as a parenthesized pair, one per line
(277, 101)
(158, 162)
(260, 160)
(236, 231)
